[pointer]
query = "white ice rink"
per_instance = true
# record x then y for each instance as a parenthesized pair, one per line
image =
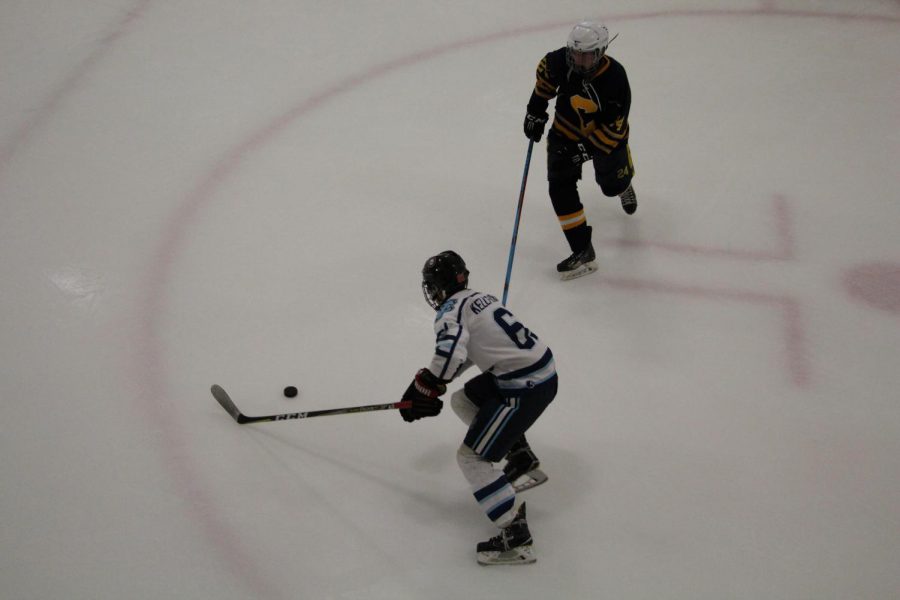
(243, 193)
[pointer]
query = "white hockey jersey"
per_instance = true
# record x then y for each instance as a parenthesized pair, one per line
(475, 328)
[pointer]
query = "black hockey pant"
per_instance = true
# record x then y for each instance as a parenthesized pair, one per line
(502, 419)
(613, 173)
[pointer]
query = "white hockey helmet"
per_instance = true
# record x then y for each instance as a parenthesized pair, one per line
(586, 44)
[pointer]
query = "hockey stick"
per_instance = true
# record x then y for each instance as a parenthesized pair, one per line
(512, 246)
(225, 400)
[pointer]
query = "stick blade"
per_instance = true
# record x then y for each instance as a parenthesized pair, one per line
(224, 399)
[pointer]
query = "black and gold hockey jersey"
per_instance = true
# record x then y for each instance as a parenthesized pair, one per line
(592, 108)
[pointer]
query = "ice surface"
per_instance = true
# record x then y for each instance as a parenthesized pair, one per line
(243, 193)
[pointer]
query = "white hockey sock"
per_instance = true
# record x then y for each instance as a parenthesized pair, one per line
(464, 408)
(489, 486)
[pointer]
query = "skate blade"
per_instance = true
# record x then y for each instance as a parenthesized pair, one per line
(529, 480)
(522, 555)
(585, 269)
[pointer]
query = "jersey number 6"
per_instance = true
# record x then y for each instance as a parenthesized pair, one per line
(517, 332)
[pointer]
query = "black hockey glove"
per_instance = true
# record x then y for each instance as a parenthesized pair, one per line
(423, 393)
(534, 125)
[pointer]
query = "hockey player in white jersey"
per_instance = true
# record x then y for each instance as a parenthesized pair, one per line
(517, 382)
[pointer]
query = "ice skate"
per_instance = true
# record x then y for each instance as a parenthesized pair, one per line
(629, 200)
(578, 264)
(531, 479)
(522, 467)
(512, 547)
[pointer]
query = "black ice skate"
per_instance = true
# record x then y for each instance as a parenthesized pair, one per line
(629, 200)
(579, 264)
(512, 547)
(522, 467)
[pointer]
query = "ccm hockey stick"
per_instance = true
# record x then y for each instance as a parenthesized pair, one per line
(224, 399)
(515, 235)
(525, 482)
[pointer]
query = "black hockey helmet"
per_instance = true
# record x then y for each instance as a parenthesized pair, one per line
(442, 276)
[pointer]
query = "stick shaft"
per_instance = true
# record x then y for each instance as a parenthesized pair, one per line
(515, 235)
(226, 402)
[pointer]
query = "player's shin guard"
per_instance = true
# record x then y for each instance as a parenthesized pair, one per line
(570, 212)
(490, 486)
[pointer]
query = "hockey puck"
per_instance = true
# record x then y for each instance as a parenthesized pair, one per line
(290, 391)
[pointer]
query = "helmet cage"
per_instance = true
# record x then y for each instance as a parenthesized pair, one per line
(583, 62)
(434, 295)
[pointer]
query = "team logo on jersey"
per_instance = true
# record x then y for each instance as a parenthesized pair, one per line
(585, 108)
(583, 105)
(445, 308)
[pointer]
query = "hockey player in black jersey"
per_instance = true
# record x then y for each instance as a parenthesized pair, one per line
(590, 123)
